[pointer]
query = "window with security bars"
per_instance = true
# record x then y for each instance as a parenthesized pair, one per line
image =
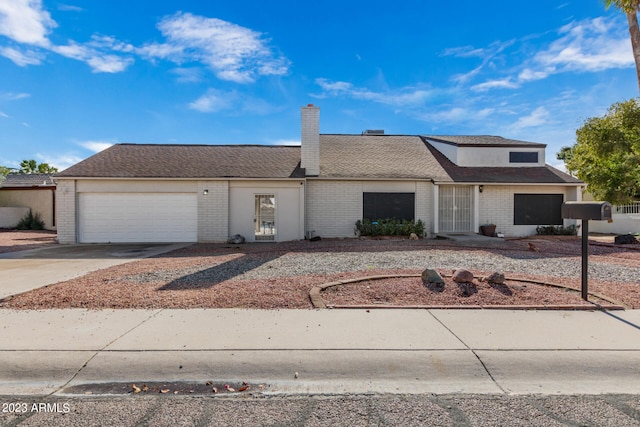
(400, 206)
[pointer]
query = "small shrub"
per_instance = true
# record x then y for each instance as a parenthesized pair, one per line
(389, 227)
(557, 230)
(31, 222)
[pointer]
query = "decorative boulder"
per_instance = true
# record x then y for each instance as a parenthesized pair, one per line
(625, 239)
(495, 278)
(236, 239)
(431, 276)
(413, 236)
(433, 280)
(467, 288)
(462, 276)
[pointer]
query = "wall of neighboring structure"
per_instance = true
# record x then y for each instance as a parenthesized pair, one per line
(10, 217)
(496, 205)
(41, 202)
(289, 208)
(621, 224)
(334, 206)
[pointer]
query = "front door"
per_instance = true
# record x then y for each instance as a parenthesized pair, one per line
(265, 217)
(455, 209)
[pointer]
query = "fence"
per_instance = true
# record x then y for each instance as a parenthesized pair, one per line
(633, 208)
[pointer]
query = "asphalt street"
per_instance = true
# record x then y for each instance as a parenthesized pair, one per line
(323, 410)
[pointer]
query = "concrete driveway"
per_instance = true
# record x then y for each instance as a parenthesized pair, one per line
(24, 271)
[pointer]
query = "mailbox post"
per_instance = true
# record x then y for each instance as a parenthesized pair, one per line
(598, 211)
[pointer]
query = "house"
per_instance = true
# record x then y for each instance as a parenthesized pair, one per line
(35, 192)
(202, 193)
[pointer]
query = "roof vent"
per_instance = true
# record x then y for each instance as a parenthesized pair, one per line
(373, 132)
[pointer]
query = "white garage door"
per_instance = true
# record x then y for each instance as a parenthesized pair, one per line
(137, 217)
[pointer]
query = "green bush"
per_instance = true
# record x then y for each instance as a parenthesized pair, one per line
(556, 230)
(30, 222)
(389, 227)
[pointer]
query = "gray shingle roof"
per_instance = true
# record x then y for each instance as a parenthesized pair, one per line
(481, 141)
(22, 180)
(342, 156)
(190, 161)
(377, 156)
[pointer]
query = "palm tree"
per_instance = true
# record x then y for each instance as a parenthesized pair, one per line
(31, 166)
(28, 166)
(630, 8)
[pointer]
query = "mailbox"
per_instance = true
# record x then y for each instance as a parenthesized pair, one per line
(600, 211)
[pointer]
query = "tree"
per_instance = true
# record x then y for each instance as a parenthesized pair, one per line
(630, 8)
(607, 153)
(4, 171)
(31, 166)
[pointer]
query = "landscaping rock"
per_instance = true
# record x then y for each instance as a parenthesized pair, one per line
(433, 280)
(413, 236)
(625, 239)
(467, 288)
(431, 276)
(495, 278)
(462, 276)
(236, 239)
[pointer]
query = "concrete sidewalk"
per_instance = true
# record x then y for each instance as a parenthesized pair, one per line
(332, 351)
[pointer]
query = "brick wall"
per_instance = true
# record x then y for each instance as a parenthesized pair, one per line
(310, 149)
(213, 211)
(496, 206)
(333, 207)
(66, 211)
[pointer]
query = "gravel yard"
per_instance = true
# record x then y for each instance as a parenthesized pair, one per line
(280, 275)
(13, 240)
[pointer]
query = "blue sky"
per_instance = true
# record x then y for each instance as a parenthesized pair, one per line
(78, 75)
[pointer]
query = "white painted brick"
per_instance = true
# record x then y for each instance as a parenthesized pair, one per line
(496, 206)
(310, 140)
(213, 211)
(333, 207)
(66, 211)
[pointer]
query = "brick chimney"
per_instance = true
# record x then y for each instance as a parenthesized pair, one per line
(310, 139)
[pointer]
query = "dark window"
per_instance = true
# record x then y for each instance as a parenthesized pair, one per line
(523, 157)
(537, 209)
(388, 205)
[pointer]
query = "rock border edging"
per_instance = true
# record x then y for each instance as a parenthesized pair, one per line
(318, 302)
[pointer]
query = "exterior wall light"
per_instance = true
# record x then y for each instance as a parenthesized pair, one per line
(205, 192)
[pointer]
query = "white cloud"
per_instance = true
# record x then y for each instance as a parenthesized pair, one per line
(10, 96)
(538, 117)
(457, 114)
(25, 21)
(406, 96)
(4, 115)
(60, 161)
(96, 146)
(528, 74)
(495, 84)
(233, 52)
(589, 45)
(214, 101)
(21, 58)
(96, 54)
(70, 8)
(187, 75)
